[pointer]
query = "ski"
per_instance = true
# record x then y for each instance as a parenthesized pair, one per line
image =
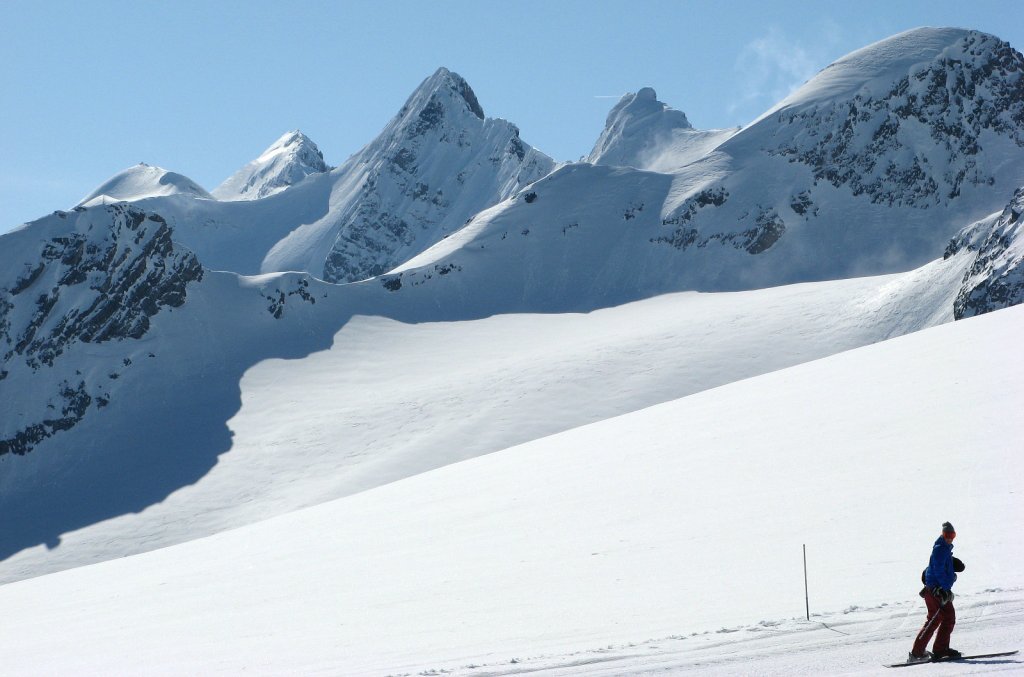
(952, 660)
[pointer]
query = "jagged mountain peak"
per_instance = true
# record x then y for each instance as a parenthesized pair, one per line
(141, 181)
(438, 162)
(645, 133)
(643, 105)
(292, 141)
(287, 161)
(442, 95)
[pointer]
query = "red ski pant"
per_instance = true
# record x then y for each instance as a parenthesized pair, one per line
(941, 618)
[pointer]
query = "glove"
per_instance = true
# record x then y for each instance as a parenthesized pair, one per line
(944, 596)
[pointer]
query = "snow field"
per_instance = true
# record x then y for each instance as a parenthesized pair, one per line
(684, 517)
(391, 399)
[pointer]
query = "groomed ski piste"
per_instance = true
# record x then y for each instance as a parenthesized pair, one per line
(668, 540)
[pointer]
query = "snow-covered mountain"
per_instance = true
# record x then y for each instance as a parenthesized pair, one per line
(840, 180)
(142, 181)
(289, 160)
(438, 162)
(645, 133)
(182, 365)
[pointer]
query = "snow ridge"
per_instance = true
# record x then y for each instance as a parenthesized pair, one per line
(140, 182)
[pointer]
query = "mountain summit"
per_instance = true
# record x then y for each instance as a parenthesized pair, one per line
(868, 169)
(645, 133)
(289, 160)
(438, 162)
(140, 182)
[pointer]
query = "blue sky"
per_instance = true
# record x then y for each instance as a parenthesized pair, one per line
(201, 88)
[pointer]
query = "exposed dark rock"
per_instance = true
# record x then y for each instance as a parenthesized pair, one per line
(75, 402)
(516, 147)
(996, 277)
(955, 100)
(405, 159)
(770, 227)
(464, 90)
(802, 204)
(430, 117)
(684, 235)
(93, 288)
(277, 301)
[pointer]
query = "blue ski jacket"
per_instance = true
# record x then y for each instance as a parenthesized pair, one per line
(940, 566)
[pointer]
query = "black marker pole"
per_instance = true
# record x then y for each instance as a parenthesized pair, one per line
(807, 599)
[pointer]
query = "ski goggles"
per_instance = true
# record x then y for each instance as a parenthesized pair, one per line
(949, 534)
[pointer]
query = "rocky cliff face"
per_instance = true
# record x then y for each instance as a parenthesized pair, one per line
(89, 276)
(868, 168)
(996, 277)
(920, 139)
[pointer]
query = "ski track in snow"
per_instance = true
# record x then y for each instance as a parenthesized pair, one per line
(855, 641)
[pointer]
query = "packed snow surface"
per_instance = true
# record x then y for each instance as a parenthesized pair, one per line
(670, 538)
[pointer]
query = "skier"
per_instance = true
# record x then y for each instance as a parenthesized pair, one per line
(938, 596)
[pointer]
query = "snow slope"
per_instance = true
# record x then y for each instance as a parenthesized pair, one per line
(669, 538)
(140, 182)
(410, 382)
